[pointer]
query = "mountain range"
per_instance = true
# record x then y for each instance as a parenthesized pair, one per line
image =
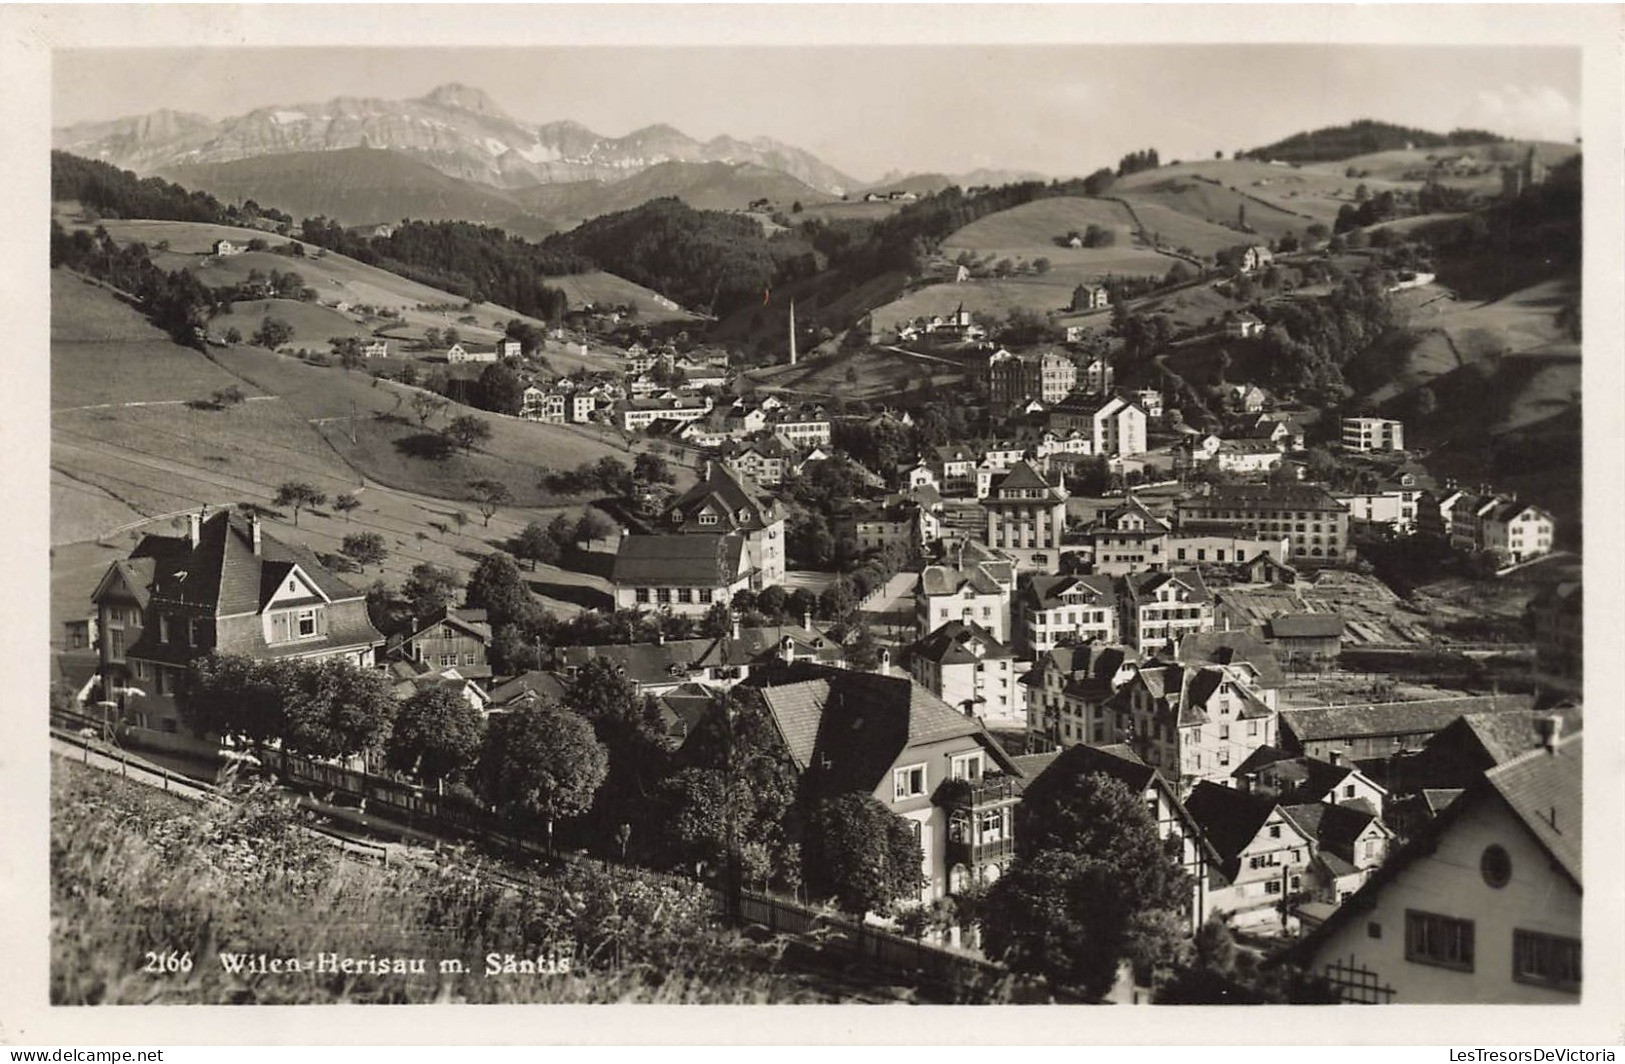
(457, 130)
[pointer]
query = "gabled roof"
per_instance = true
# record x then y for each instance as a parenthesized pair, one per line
(1542, 790)
(473, 622)
(1504, 736)
(222, 575)
(1305, 626)
(1333, 827)
(1230, 648)
(1047, 591)
(1144, 586)
(1229, 819)
(693, 560)
(759, 644)
(644, 663)
(1317, 723)
(537, 683)
(1022, 475)
(947, 580)
(957, 643)
(728, 495)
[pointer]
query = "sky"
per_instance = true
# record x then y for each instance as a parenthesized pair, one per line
(1060, 109)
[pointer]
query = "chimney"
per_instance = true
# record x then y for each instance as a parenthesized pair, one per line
(885, 663)
(733, 626)
(194, 527)
(254, 529)
(1550, 728)
(1336, 757)
(660, 639)
(806, 619)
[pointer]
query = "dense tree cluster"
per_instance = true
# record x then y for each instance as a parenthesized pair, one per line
(1135, 161)
(1363, 137)
(115, 193)
(176, 301)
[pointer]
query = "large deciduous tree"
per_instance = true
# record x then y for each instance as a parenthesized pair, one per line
(542, 761)
(466, 431)
(298, 494)
(428, 590)
(365, 548)
(496, 587)
(436, 734)
(860, 854)
(489, 496)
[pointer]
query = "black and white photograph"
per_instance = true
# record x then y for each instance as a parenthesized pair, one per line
(823, 515)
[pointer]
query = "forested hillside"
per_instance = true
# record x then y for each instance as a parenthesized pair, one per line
(1362, 138)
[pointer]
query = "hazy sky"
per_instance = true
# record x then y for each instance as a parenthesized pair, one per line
(1060, 109)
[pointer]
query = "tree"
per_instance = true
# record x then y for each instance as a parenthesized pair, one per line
(234, 335)
(365, 548)
(594, 524)
(535, 545)
(272, 333)
(229, 696)
(335, 709)
(426, 405)
(1041, 265)
(496, 587)
(541, 761)
(499, 390)
(466, 431)
(437, 734)
(1088, 887)
(298, 494)
(860, 854)
(651, 469)
(428, 590)
(344, 504)
(529, 336)
(228, 396)
(489, 495)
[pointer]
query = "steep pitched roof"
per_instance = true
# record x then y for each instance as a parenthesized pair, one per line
(223, 575)
(1144, 586)
(1230, 648)
(1333, 827)
(536, 683)
(728, 495)
(645, 663)
(1315, 723)
(1047, 591)
(956, 643)
(1021, 475)
(1229, 819)
(1505, 736)
(694, 560)
(1305, 626)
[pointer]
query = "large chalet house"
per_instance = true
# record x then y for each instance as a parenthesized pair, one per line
(1115, 426)
(458, 637)
(1264, 855)
(1482, 907)
(1128, 539)
(1192, 721)
(1051, 610)
(1066, 688)
(941, 771)
(1161, 608)
(227, 587)
(686, 574)
(1047, 376)
(724, 501)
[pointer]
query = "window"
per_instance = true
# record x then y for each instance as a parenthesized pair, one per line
(1348, 790)
(1275, 831)
(468, 659)
(992, 825)
(908, 782)
(305, 623)
(641, 596)
(967, 767)
(1272, 886)
(1546, 960)
(663, 596)
(447, 660)
(685, 594)
(115, 642)
(163, 628)
(1373, 930)
(706, 594)
(1442, 941)
(1495, 866)
(708, 519)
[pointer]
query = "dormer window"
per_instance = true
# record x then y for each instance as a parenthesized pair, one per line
(708, 518)
(676, 517)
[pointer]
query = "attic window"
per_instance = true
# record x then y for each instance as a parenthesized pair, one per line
(293, 585)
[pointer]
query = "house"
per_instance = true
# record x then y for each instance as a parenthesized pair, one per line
(1026, 510)
(1067, 689)
(685, 573)
(856, 732)
(1118, 427)
(1483, 907)
(1129, 539)
(802, 430)
(459, 638)
(540, 405)
(1161, 608)
(1373, 434)
(582, 406)
(1244, 326)
(1370, 733)
(1349, 843)
(226, 587)
(457, 353)
(1013, 378)
(1246, 456)
(654, 669)
(1224, 547)
(225, 248)
(537, 685)
(1250, 398)
(450, 680)
(1306, 638)
(1096, 377)
(376, 349)
(1316, 523)
(896, 522)
(1557, 614)
(1297, 778)
(962, 664)
(639, 414)
(1256, 258)
(1518, 530)
(1195, 721)
(1264, 856)
(1474, 743)
(973, 583)
(722, 501)
(745, 648)
(1052, 610)
(956, 470)
(1174, 823)
(1149, 400)
(508, 349)
(1090, 296)
(763, 462)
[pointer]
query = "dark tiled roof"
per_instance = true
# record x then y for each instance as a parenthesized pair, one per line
(951, 644)
(1144, 586)
(1305, 626)
(1505, 736)
(1264, 496)
(1047, 591)
(1021, 475)
(645, 663)
(693, 560)
(1333, 827)
(1543, 788)
(1229, 819)
(1230, 648)
(1392, 718)
(545, 685)
(223, 575)
(727, 494)
(1439, 798)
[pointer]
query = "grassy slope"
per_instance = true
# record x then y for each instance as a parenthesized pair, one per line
(1214, 204)
(313, 324)
(199, 880)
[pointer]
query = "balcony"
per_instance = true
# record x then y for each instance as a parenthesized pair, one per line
(987, 792)
(971, 854)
